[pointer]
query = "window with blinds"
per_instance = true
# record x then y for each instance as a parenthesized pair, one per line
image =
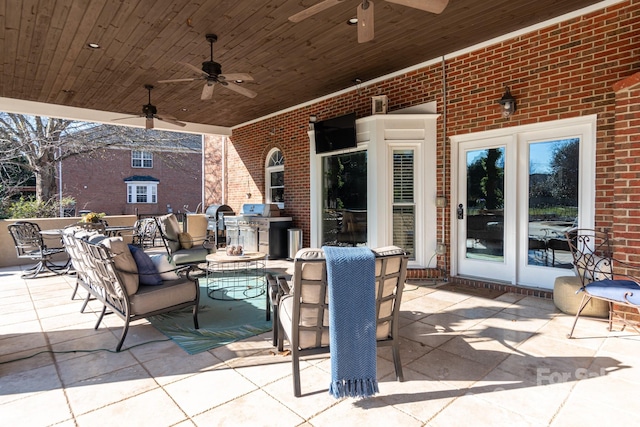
(404, 201)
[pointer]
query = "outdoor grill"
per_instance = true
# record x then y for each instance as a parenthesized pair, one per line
(215, 222)
(260, 228)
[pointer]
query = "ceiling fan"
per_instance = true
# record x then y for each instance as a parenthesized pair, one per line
(365, 12)
(150, 112)
(211, 73)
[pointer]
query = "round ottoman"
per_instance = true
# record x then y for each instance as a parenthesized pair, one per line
(567, 301)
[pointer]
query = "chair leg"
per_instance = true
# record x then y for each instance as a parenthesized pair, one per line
(84, 304)
(125, 329)
(195, 317)
(104, 310)
(396, 361)
(295, 364)
(585, 300)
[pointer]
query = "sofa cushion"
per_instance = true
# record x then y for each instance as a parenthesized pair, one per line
(124, 263)
(189, 256)
(172, 292)
(146, 268)
(164, 266)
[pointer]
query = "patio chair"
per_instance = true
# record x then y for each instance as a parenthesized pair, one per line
(29, 244)
(301, 311)
(144, 233)
(594, 265)
(179, 252)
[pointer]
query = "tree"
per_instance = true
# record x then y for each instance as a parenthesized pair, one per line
(32, 146)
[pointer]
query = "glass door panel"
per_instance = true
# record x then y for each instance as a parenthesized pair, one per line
(553, 201)
(485, 204)
(344, 190)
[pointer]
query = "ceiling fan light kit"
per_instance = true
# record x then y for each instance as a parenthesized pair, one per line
(365, 13)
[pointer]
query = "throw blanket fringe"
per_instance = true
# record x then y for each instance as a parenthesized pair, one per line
(352, 319)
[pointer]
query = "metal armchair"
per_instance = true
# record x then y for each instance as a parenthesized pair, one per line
(594, 264)
(29, 244)
(301, 310)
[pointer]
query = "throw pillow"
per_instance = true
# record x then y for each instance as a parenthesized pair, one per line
(186, 241)
(124, 262)
(146, 268)
(164, 266)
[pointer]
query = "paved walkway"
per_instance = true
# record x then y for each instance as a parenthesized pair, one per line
(468, 361)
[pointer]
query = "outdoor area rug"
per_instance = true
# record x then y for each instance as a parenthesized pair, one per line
(221, 322)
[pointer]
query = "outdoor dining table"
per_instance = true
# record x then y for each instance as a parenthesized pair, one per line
(116, 230)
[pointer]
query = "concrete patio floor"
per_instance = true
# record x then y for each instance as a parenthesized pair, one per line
(467, 361)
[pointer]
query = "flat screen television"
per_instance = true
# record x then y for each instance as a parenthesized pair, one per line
(337, 133)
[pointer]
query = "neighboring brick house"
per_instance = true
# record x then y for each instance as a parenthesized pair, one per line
(575, 75)
(136, 178)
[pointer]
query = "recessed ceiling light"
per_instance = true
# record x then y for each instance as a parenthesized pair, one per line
(184, 109)
(239, 81)
(93, 45)
(352, 21)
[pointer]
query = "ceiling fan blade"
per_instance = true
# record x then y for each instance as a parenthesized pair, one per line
(207, 91)
(365, 22)
(241, 90)
(170, 119)
(195, 69)
(316, 8)
(125, 118)
(149, 123)
(177, 80)
(236, 76)
(433, 6)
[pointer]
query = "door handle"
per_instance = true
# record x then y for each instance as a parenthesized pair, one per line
(460, 211)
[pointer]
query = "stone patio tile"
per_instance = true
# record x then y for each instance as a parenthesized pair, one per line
(254, 409)
(87, 395)
(153, 408)
(40, 409)
(203, 391)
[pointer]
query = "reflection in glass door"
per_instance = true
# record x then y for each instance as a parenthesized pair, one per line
(485, 204)
(553, 201)
(344, 192)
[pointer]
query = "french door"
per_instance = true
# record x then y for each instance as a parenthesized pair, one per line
(517, 194)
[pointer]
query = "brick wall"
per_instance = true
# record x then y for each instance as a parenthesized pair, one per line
(561, 71)
(626, 228)
(95, 180)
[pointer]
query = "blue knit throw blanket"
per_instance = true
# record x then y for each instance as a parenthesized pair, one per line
(352, 321)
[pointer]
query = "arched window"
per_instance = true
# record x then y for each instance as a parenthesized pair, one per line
(274, 178)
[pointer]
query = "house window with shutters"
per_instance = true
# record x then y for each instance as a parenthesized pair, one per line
(404, 204)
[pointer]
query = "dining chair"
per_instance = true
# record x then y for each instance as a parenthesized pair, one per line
(301, 309)
(29, 244)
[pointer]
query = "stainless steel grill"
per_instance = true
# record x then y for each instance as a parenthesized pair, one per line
(215, 222)
(260, 228)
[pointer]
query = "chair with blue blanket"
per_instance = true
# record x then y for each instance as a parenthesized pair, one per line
(603, 277)
(301, 308)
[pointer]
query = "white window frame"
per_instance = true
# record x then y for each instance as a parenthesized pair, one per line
(141, 159)
(268, 170)
(413, 149)
(151, 192)
(379, 135)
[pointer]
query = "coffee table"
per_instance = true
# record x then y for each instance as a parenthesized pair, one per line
(231, 277)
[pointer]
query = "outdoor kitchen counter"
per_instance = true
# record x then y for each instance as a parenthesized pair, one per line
(235, 277)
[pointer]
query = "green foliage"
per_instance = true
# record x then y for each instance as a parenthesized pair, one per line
(31, 208)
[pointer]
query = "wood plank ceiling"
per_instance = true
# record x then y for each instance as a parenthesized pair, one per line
(46, 58)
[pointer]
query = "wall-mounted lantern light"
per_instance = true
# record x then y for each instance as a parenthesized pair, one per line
(508, 103)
